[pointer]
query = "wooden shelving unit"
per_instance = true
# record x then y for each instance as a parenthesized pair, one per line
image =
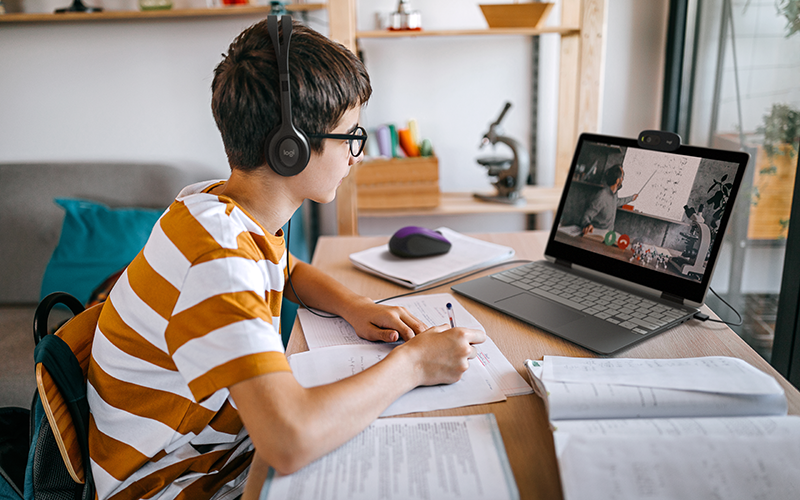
(562, 30)
(120, 15)
(582, 30)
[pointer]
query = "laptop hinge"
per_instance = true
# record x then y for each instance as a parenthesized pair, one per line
(563, 263)
(672, 298)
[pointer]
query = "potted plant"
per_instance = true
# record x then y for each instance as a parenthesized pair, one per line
(790, 9)
(773, 179)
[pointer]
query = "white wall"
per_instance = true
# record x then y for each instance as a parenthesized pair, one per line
(140, 89)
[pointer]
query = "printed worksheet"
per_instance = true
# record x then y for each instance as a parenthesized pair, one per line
(630, 467)
(717, 374)
(787, 427)
(432, 310)
(438, 458)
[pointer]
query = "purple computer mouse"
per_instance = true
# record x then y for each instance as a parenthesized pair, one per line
(415, 241)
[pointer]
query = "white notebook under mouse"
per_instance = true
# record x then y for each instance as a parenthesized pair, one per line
(466, 254)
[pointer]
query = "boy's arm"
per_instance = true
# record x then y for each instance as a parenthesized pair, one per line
(371, 321)
(292, 426)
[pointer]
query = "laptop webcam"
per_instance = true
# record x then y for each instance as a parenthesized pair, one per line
(659, 140)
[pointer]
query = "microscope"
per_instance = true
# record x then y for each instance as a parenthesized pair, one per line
(511, 173)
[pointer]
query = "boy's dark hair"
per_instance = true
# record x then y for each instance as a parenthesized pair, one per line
(611, 175)
(326, 80)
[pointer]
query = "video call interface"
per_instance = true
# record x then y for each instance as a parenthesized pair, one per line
(663, 213)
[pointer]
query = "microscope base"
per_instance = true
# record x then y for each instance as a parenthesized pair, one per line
(518, 201)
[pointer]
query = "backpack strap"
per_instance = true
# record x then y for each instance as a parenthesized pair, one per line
(62, 389)
(62, 362)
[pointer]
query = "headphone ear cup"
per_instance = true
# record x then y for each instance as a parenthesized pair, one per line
(288, 151)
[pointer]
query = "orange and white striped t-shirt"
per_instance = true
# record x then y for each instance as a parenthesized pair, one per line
(197, 311)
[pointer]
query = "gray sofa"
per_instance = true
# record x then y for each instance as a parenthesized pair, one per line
(30, 222)
(30, 226)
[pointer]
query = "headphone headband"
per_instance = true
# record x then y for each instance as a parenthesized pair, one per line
(287, 147)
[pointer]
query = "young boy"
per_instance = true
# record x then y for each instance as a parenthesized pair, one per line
(189, 388)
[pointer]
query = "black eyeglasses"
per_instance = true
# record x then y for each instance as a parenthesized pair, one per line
(356, 139)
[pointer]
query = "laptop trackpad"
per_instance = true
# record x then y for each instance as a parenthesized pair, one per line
(540, 312)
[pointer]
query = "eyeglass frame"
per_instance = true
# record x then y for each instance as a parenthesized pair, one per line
(348, 137)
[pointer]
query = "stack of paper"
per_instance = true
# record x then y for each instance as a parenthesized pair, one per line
(337, 352)
(709, 427)
(466, 254)
(459, 458)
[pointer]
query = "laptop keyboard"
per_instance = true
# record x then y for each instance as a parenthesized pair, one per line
(629, 311)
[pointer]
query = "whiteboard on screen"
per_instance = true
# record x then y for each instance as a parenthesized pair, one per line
(663, 181)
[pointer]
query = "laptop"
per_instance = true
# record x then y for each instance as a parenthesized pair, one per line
(630, 255)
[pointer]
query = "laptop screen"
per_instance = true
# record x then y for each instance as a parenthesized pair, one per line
(649, 217)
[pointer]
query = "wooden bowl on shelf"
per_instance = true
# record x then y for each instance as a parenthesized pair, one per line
(516, 15)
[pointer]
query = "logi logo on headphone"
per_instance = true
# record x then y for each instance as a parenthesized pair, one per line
(289, 152)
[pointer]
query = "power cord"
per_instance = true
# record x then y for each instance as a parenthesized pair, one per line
(704, 317)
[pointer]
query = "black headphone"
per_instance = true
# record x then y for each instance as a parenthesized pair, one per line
(287, 146)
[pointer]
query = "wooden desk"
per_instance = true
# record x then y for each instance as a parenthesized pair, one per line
(522, 419)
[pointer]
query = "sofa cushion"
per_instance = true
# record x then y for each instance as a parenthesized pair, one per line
(30, 222)
(96, 241)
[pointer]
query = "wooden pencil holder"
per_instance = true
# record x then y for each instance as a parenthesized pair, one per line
(398, 183)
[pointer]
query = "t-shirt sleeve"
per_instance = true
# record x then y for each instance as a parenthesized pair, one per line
(223, 328)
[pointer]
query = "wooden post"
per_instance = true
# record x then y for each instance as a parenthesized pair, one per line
(581, 78)
(593, 54)
(342, 19)
(569, 75)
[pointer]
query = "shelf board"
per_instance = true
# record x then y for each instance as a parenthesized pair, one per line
(539, 199)
(563, 30)
(114, 15)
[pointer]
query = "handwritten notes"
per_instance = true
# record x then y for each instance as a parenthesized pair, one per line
(431, 310)
(325, 366)
(663, 181)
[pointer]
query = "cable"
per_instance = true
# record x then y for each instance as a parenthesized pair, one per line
(289, 279)
(704, 317)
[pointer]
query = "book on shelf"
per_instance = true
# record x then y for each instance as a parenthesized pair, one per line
(707, 427)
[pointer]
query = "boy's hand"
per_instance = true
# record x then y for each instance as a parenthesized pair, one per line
(441, 354)
(378, 322)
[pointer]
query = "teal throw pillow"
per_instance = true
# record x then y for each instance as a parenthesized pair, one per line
(96, 241)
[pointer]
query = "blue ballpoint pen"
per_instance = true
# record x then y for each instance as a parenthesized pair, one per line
(451, 314)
